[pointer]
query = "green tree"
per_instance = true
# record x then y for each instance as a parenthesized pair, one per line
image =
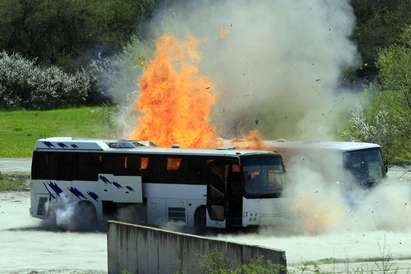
(66, 32)
(387, 118)
(394, 64)
(379, 24)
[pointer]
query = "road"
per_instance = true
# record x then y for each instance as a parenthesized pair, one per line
(13, 165)
(385, 234)
(26, 246)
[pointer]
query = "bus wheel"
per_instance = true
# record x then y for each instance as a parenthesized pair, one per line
(85, 216)
(200, 220)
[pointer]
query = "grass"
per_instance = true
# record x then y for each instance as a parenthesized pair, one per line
(216, 263)
(15, 182)
(21, 128)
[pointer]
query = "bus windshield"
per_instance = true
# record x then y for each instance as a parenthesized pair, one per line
(366, 166)
(263, 176)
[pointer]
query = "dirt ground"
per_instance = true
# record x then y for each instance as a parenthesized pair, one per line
(25, 246)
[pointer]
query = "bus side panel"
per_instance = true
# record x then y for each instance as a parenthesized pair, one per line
(86, 190)
(267, 211)
(55, 191)
(120, 189)
(174, 203)
(38, 192)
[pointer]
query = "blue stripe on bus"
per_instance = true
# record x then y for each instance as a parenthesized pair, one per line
(77, 193)
(62, 145)
(130, 188)
(48, 144)
(117, 185)
(93, 195)
(51, 194)
(104, 179)
(55, 188)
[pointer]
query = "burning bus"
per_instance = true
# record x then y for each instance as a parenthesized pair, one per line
(219, 188)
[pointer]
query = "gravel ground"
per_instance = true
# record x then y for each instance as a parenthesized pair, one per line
(26, 246)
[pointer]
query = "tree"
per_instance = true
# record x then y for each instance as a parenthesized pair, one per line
(69, 33)
(379, 24)
(394, 64)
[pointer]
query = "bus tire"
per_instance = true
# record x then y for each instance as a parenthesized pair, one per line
(85, 217)
(200, 219)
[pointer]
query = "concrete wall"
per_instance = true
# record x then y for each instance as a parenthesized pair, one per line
(141, 249)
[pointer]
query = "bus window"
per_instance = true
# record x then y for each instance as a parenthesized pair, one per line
(144, 163)
(125, 162)
(235, 168)
(366, 166)
(196, 170)
(88, 166)
(263, 176)
(131, 164)
(65, 165)
(40, 168)
(173, 164)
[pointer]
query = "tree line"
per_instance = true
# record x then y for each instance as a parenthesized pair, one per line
(59, 42)
(67, 33)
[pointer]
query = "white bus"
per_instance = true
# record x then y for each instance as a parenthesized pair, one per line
(351, 163)
(201, 188)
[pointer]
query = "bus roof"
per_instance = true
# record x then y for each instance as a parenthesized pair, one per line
(323, 145)
(129, 146)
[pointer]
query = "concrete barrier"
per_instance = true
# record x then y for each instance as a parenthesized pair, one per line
(140, 249)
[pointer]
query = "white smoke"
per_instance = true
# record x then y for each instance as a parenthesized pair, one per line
(277, 64)
(66, 214)
(387, 207)
(318, 203)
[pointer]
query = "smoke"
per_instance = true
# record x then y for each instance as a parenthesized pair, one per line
(68, 214)
(278, 67)
(277, 64)
(318, 203)
(387, 207)
(315, 202)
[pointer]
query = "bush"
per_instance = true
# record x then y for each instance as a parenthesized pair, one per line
(24, 84)
(216, 263)
(383, 121)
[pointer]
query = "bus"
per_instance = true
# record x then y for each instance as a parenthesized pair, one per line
(354, 164)
(218, 188)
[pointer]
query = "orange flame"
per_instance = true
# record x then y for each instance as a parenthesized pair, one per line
(252, 140)
(175, 101)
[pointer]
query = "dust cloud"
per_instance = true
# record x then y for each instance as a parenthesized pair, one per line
(278, 67)
(319, 203)
(67, 214)
(277, 64)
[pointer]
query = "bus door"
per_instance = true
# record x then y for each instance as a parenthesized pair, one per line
(216, 193)
(235, 194)
(224, 194)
